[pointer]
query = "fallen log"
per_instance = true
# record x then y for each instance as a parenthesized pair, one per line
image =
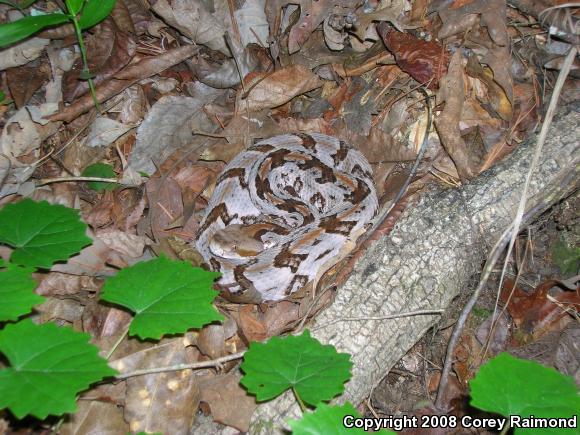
(436, 249)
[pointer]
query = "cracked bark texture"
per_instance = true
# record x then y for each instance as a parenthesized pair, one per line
(437, 247)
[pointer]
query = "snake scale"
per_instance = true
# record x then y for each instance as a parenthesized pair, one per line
(283, 212)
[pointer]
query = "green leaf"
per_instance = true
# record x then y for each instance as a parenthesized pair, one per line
(16, 292)
(95, 11)
(2, 97)
(102, 170)
(167, 296)
(49, 366)
(511, 386)
(42, 233)
(20, 29)
(566, 257)
(329, 420)
(74, 6)
(314, 371)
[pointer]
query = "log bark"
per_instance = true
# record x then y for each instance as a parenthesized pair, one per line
(434, 251)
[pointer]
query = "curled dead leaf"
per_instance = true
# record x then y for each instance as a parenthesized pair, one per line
(280, 87)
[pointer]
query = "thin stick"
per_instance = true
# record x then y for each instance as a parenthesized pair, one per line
(510, 233)
(199, 365)
(535, 160)
(45, 181)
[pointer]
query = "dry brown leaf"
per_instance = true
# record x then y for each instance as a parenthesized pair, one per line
(319, 125)
(252, 328)
(105, 322)
(538, 312)
(165, 205)
(127, 208)
(425, 61)
(452, 93)
(90, 261)
(129, 245)
(390, 13)
(133, 73)
(228, 402)
(196, 21)
(165, 402)
(211, 341)
(312, 14)
(55, 283)
(490, 14)
(280, 87)
(102, 416)
(24, 81)
(495, 93)
(109, 50)
(26, 129)
(66, 310)
(168, 127)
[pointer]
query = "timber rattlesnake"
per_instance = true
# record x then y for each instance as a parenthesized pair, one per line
(283, 212)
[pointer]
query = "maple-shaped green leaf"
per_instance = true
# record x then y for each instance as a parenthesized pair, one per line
(330, 420)
(314, 371)
(48, 367)
(166, 296)
(511, 386)
(41, 233)
(16, 291)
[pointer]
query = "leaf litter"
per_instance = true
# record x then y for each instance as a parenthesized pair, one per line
(187, 85)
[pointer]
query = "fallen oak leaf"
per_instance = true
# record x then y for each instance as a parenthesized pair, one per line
(390, 14)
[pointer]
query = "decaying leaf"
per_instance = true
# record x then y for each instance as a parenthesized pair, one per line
(26, 129)
(168, 126)
(492, 16)
(104, 131)
(280, 87)
(452, 92)
(425, 61)
(312, 14)
(125, 78)
(495, 93)
(195, 21)
(22, 52)
(24, 81)
(165, 402)
(220, 392)
(109, 50)
(252, 23)
(390, 14)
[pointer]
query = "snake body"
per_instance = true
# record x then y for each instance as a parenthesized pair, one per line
(283, 212)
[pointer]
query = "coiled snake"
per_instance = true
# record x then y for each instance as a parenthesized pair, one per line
(283, 212)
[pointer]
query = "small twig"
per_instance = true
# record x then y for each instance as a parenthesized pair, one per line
(199, 365)
(535, 160)
(387, 317)
(45, 181)
(508, 235)
(216, 135)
